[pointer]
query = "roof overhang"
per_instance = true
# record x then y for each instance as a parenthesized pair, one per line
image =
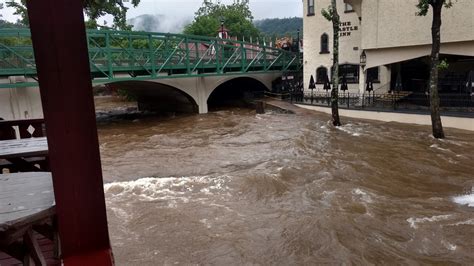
(386, 56)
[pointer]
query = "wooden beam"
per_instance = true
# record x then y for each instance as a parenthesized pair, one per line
(60, 48)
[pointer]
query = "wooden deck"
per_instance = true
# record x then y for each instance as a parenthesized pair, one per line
(46, 246)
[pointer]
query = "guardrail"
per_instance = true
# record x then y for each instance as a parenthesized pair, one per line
(417, 102)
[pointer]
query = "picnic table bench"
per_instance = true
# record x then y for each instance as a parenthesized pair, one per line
(22, 154)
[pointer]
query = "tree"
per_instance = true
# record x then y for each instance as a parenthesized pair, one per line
(280, 27)
(437, 5)
(237, 18)
(93, 9)
(331, 15)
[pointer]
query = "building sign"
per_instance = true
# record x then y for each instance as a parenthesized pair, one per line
(346, 28)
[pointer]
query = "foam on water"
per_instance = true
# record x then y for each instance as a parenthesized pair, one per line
(436, 146)
(465, 200)
(415, 221)
(350, 129)
(169, 188)
(364, 196)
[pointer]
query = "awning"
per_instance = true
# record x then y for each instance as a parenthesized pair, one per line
(385, 56)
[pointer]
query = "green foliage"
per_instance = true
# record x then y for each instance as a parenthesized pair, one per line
(327, 13)
(94, 9)
(237, 19)
(13, 41)
(20, 10)
(443, 65)
(424, 5)
(279, 27)
(9, 25)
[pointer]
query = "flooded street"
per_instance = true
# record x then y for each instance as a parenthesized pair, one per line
(232, 187)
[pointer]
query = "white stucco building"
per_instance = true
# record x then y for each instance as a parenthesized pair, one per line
(396, 42)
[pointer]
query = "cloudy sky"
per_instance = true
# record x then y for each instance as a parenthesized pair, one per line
(181, 9)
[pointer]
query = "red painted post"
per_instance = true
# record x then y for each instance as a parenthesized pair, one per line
(59, 42)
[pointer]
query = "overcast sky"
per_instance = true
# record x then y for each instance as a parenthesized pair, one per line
(180, 9)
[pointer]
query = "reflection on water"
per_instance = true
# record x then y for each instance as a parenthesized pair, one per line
(232, 187)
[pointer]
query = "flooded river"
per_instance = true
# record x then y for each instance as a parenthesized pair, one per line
(232, 187)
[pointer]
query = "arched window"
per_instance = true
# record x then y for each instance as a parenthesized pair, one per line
(321, 75)
(324, 44)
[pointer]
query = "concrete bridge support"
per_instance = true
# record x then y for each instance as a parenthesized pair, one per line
(197, 88)
(176, 94)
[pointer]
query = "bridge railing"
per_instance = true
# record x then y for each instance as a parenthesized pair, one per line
(124, 55)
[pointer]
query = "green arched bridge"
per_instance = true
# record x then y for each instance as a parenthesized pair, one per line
(138, 56)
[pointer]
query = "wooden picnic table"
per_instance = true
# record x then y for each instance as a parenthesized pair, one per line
(14, 148)
(17, 152)
(26, 204)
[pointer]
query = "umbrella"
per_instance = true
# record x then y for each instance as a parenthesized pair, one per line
(370, 86)
(312, 85)
(327, 86)
(470, 80)
(344, 84)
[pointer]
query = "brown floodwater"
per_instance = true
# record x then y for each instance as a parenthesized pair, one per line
(232, 187)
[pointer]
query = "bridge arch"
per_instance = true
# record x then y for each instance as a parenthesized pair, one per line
(236, 90)
(159, 96)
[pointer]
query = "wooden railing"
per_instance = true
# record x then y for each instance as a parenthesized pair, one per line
(25, 128)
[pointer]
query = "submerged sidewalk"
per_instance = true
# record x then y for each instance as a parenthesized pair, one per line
(465, 123)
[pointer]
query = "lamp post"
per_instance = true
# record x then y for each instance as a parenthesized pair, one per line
(363, 59)
(298, 40)
(222, 26)
(363, 62)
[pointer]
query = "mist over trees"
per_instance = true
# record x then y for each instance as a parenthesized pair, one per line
(159, 23)
(271, 27)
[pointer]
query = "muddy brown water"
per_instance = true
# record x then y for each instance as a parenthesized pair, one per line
(232, 187)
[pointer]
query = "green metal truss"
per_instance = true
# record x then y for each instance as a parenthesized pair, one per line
(131, 55)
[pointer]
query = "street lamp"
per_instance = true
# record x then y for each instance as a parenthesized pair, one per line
(363, 62)
(222, 26)
(298, 40)
(363, 59)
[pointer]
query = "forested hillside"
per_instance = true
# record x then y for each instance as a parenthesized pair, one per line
(280, 26)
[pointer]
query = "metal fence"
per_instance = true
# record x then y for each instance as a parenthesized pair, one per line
(396, 101)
